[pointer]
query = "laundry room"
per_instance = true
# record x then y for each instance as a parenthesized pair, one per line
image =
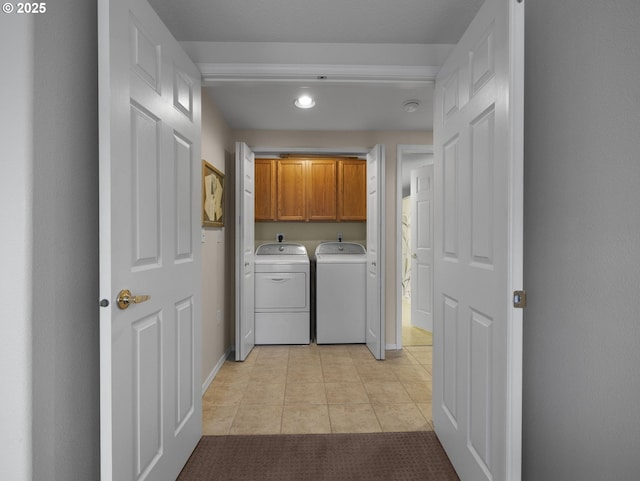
(311, 233)
(218, 146)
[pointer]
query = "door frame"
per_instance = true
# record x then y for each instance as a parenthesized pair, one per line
(401, 152)
(360, 152)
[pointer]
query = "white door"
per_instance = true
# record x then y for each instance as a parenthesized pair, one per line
(149, 111)
(245, 246)
(478, 138)
(422, 247)
(375, 252)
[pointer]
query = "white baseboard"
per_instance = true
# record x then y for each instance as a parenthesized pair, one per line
(214, 371)
(391, 347)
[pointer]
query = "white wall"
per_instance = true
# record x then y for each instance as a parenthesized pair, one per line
(50, 374)
(323, 139)
(216, 337)
(582, 241)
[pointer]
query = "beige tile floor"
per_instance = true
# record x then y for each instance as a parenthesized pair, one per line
(320, 389)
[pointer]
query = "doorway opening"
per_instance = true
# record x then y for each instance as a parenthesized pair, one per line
(412, 327)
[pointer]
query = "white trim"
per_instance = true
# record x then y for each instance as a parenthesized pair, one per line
(392, 347)
(516, 222)
(263, 150)
(402, 150)
(382, 247)
(213, 73)
(215, 370)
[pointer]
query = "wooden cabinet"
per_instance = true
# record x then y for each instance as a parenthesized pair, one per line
(265, 189)
(319, 189)
(352, 190)
(291, 189)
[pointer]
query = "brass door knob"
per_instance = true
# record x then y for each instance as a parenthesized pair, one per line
(125, 298)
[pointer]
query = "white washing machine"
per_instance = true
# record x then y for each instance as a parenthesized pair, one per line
(282, 298)
(341, 307)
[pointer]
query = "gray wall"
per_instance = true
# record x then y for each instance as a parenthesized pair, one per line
(66, 373)
(50, 206)
(582, 241)
(16, 166)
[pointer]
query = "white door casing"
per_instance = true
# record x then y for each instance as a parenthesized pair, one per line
(245, 246)
(149, 114)
(422, 247)
(375, 335)
(477, 377)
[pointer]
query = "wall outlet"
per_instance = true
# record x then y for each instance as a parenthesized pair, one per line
(339, 236)
(280, 237)
(203, 235)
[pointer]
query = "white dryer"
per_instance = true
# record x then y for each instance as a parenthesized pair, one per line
(340, 293)
(282, 299)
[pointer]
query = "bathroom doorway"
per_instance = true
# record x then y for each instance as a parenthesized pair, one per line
(414, 297)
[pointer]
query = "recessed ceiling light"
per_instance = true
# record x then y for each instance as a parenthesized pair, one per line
(304, 102)
(411, 105)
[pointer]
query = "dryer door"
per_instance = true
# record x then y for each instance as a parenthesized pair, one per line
(281, 291)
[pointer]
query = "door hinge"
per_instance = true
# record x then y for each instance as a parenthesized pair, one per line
(519, 299)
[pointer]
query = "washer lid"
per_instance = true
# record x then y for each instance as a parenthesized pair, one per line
(340, 248)
(276, 248)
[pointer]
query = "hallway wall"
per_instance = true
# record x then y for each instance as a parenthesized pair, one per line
(216, 335)
(66, 375)
(16, 278)
(50, 320)
(582, 241)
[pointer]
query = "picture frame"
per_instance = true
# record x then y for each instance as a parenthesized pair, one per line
(212, 196)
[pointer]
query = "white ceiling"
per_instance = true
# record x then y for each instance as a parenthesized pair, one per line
(257, 55)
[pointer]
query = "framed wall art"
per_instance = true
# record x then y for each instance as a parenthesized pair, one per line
(212, 196)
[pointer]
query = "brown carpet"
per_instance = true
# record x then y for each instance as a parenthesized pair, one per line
(320, 457)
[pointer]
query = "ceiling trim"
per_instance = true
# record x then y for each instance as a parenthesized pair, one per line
(276, 151)
(213, 73)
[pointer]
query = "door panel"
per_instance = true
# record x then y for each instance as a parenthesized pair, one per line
(478, 246)
(245, 238)
(375, 253)
(151, 416)
(422, 247)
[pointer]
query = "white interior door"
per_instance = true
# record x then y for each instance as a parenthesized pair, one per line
(375, 252)
(151, 416)
(478, 263)
(245, 246)
(422, 247)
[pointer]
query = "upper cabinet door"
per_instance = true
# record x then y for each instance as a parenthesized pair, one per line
(352, 190)
(265, 190)
(292, 174)
(321, 190)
